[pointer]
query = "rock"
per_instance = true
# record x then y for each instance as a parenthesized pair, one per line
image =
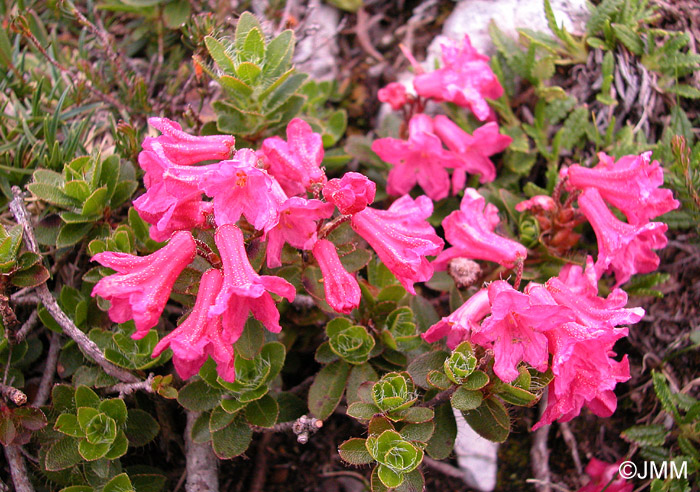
(317, 49)
(477, 457)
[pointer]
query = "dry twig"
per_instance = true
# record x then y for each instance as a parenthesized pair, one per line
(46, 383)
(18, 469)
(202, 473)
(13, 394)
(539, 453)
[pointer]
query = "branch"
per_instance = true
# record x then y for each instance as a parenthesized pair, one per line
(18, 469)
(13, 394)
(27, 327)
(88, 347)
(128, 388)
(441, 397)
(46, 383)
(539, 454)
(202, 475)
(302, 427)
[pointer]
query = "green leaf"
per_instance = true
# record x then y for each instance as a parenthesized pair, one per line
(327, 389)
(248, 72)
(354, 452)
(516, 396)
(278, 53)
(421, 432)
(176, 13)
(363, 411)
(68, 424)
(629, 38)
(96, 202)
(421, 366)
(663, 393)
(119, 447)
(77, 189)
(30, 277)
(246, 23)
(389, 477)
(490, 420)
(254, 46)
(198, 396)
(53, 195)
(251, 341)
(463, 399)
(412, 482)
(262, 412)
(92, 452)
(417, 415)
(232, 440)
(120, 483)
(358, 375)
(101, 430)
(85, 397)
(141, 427)
(115, 408)
(424, 312)
(8, 431)
(62, 454)
(219, 54)
(646, 435)
(476, 380)
(71, 234)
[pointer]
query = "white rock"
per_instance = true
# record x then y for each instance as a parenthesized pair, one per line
(317, 49)
(477, 457)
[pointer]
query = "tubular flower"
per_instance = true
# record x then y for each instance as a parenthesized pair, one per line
(623, 248)
(351, 193)
(472, 150)
(297, 226)
(238, 187)
(516, 328)
(537, 203)
(602, 475)
(200, 336)
(465, 79)
(394, 94)
(459, 326)
(631, 184)
(421, 159)
(296, 163)
(141, 287)
(341, 288)
(584, 372)
(170, 203)
(401, 237)
(470, 231)
(243, 290)
(184, 149)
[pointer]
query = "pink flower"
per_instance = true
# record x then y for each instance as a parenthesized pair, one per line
(297, 224)
(602, 475)
(296, 163)
(465, 79)
(584, 372)
(470, 231)
(341, 288)
(516, 328)
(351, 193)
(200, 336)
(401, 237)
(631, 184)
(394, 94)
(537, 202)
(623, 248)
(185, 149)
(170, 203)
(464, 321)
(238, 187)
(473, 150)
(420, 160)
(243, 290)
(141, 287)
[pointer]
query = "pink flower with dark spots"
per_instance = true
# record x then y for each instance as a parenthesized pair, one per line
(516, 328)
(351, 193)
(200, 336)
(170, 203)
(585, 372)
(473, 150)
(420, 159)
(470, 231)
(394, 94)
(238, 187)
(298, 220)
(631, 184)
(243, 290)
(605, 478)
(341, 288)
(184, 149)
(465, 79)
(465, 320)
(623, 248)
(402, 238)
(296, 163)
(141, 287)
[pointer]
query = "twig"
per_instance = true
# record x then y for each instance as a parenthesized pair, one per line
(257, 484)
(88, 347)
(303, 385)
(128, 388)
(24, 300)
(302, 427)
(544, 483)
(13, 394)
(27, 326)
(46, 382)
(202, 475)
(444, 468)
(18, 469)
(441, 397)
(539, 453)
(570, 441)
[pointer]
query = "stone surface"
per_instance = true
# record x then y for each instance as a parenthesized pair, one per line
(317, 48)
(477, 457)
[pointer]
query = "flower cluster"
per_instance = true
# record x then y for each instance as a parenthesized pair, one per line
(198, 183)
(466, 80)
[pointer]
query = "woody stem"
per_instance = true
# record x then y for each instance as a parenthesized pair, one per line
(332, 225)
